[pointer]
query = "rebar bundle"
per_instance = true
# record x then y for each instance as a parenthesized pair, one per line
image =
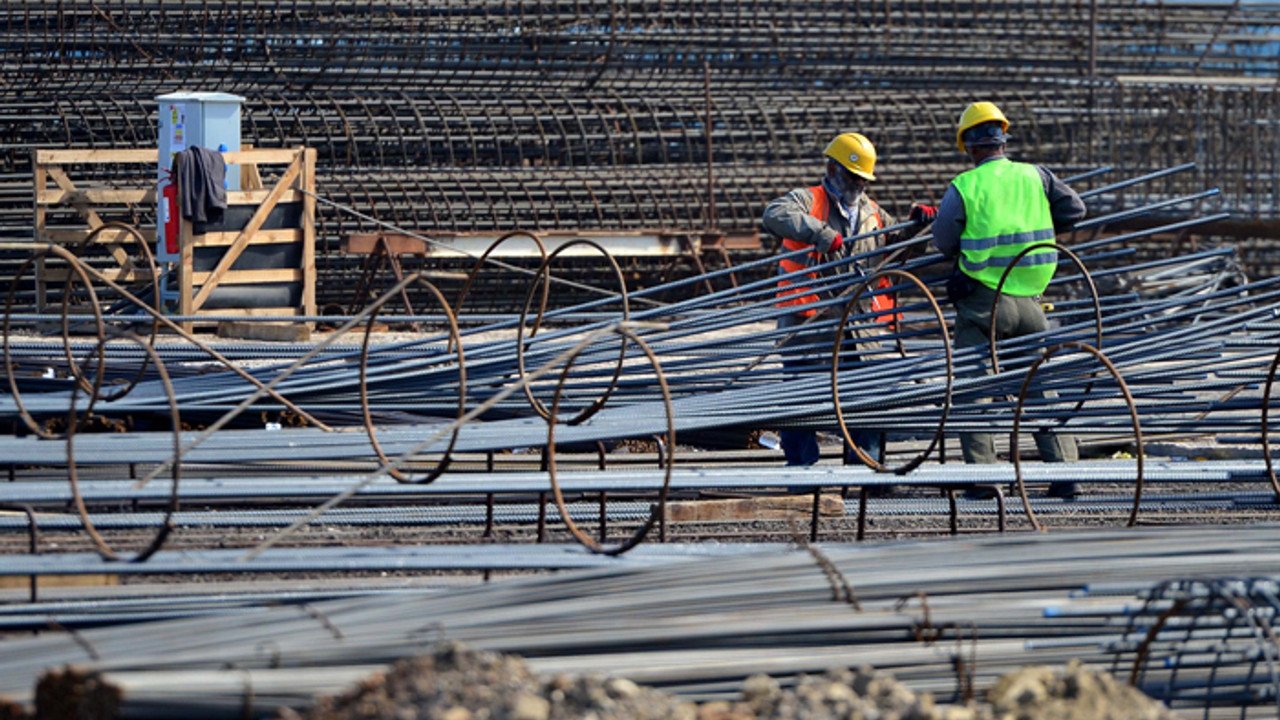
(697, 620)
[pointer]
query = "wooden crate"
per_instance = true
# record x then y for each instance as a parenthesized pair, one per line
(58, 193)
(69, 207)
(295, 185)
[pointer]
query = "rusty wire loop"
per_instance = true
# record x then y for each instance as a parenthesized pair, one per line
(267, 388)
(1015, 456)
(841, 588)
(995, 301)
(835, 371)
(1266, 430)
(95, 387)
(1144, 647)
(543, 278)
(923, 631)
(455, 343)
(33, 540)
(78, 269)
(92, 387)
(658, 513)
(166, 526)
(484, 257)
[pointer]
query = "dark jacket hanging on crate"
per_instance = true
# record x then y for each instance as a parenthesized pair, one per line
(201, 174)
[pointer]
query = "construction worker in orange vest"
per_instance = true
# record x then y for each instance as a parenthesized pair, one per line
(819, 219)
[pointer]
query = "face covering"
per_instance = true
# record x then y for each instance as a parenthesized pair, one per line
(846, 191)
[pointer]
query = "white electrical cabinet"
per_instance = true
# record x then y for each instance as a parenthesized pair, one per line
(191, 119)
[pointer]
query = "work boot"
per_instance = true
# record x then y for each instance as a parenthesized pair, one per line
(1064, 490)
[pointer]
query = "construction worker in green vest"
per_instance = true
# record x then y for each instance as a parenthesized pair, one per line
(988, 216)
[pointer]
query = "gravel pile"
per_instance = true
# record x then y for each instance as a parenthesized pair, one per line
(860, 694)
(455, 683)
(1046, 693)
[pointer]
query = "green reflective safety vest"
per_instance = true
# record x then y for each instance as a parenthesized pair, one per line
(1006, 212)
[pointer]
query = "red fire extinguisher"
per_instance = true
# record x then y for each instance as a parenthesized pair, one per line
(169, 214)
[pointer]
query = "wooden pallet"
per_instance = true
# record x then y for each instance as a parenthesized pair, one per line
(296, 184)
(83, 210)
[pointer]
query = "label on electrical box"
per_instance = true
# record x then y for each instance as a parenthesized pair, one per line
(177, 127)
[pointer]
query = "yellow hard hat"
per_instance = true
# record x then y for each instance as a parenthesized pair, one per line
(976, 114)
(855, 152)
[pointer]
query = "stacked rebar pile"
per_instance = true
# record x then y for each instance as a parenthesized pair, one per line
(421, 110)
(700, 624)
(243, 45)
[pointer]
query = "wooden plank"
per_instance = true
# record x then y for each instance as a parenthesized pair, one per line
(243, 277)
(251, 312)
(40, 180)
(257, 197)
(116, 274)
(45, 582)
(64, 182)
(270, 331)
(760, 508)
(131, 156)
(263, 156)
(398, 243)
(66, 236)
(95, 221)
(309, 232)
(263, 237)
(186, 289)
(98, 196)
(250, 178)
(255, 223)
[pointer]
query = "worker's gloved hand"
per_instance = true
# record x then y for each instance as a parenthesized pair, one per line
(922, 214)
(836, 243)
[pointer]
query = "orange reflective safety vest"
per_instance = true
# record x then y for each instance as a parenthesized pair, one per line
(791, 292)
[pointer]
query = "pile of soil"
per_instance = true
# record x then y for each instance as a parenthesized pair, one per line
(1045, 693)
(455, 683)
(836, 695)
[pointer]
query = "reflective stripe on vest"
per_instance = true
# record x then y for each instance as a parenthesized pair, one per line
(1006, 211)
(790, 293)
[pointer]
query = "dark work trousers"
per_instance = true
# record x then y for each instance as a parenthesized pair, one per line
(1015, 317)
(801, 446)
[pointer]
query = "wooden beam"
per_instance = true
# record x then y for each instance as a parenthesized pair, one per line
(114, 274)
(246, 235)
(40, 180)
(262, 156)
(263, 237)
(251, 312)
(396, 243)
(137, 156)
(98, 196)
(257, 197)
(309, 232)
(91, 216)
(242, 277)
(186, 289)
(67, 236)
(758, 508)
(271, 331)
